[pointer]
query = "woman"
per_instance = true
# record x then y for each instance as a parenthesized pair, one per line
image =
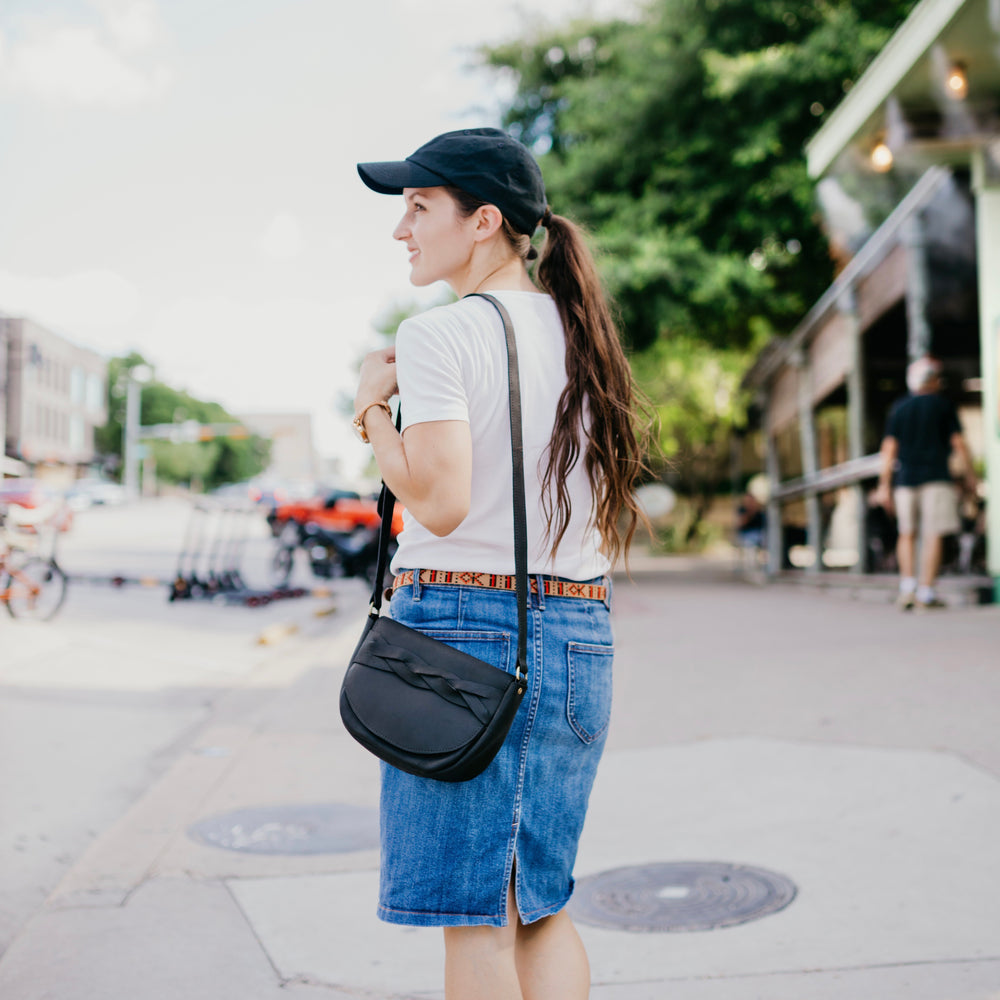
(491, 859)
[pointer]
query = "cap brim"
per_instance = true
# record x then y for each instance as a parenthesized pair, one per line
(392, 178)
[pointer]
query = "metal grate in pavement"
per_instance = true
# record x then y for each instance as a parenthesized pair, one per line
(679, 896)
(291, 829)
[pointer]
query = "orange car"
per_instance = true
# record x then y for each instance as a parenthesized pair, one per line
(338, 510)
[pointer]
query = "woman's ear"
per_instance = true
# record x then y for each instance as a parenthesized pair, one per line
(489, 220)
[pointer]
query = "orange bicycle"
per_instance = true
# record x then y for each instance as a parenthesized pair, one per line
(33, 586)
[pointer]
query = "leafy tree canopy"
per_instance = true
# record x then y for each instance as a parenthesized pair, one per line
(676, 139)
(209, 463)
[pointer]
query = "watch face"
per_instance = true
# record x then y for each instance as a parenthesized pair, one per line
(359, 431)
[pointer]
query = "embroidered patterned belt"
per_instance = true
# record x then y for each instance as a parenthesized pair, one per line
(551, 586)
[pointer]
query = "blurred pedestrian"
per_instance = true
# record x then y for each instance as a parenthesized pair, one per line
(922, 432)
(750, 522)
(491, 859)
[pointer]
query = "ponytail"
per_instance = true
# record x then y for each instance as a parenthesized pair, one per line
(600, 397)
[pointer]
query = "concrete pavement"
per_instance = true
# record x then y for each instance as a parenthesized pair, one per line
(838, 742)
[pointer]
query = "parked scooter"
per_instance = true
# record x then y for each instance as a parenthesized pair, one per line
(208, 566)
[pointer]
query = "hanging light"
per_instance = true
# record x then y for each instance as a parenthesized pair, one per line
(881, 157)
(956, 84)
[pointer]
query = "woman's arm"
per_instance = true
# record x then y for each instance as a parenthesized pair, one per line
(429, 467)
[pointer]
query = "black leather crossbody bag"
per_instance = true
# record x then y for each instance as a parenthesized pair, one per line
(417, 703)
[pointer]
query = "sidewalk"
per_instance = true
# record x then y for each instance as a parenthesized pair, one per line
(849, 747)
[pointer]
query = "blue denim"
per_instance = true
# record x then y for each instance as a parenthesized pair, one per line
(448, 850)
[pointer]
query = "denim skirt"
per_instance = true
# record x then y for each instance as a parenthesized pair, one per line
(448, 849)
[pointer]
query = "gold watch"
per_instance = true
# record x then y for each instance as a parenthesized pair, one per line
(359, 419)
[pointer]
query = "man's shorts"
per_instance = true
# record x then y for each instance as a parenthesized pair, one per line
(932, 506)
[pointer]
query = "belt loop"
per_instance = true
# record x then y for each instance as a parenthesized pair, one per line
(540, 583)
(607, 592)
(416, 584)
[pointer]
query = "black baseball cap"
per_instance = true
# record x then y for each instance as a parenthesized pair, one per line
(485, 162)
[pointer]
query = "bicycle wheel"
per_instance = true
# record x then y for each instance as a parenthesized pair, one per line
(35, 589)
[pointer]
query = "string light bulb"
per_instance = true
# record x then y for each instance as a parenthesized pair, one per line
(881, 158)
(957, 82)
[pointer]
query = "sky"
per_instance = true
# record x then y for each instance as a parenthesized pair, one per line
(178, 177)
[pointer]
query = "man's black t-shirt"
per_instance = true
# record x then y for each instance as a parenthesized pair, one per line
(922, 426)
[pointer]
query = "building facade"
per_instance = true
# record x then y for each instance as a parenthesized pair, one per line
(908, 174)
(293, 453)
(55, 396)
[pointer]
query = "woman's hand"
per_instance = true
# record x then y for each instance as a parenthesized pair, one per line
(378, 378)
(431, 474)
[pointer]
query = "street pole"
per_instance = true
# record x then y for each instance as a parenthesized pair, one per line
(130, 439)
(131, 452)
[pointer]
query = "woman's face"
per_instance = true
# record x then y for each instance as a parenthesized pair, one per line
(440, 241)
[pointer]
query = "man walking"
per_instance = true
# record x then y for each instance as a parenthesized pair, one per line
(922, 431)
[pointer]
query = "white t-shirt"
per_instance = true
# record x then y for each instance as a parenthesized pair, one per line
(451, 364)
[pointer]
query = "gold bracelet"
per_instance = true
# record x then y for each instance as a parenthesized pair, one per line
(359, 419)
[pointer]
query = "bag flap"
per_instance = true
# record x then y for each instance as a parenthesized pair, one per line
(418, 694)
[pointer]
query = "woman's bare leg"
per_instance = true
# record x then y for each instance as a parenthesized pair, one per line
(479, 962)
(540, 961)
(551, 961)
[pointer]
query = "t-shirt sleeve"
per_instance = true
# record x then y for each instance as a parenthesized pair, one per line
(429, 375)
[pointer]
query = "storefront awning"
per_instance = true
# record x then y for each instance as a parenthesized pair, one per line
(903, 97)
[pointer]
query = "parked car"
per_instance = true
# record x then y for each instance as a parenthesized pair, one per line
(335, 510)
(94, 491)
(263, 493)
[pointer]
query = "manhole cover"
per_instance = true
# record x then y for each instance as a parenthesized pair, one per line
(303, 829)
(679, 896)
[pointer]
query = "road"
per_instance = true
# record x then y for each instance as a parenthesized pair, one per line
(97, 703)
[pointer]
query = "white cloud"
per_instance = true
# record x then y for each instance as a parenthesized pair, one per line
(134, 24)
(281, 240)
(96, 305)
(83, 64)
(260, 347)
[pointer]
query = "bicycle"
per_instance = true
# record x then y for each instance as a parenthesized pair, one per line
(33, 586)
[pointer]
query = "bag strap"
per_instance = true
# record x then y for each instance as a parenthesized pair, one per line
(387, 500)
(518, 491)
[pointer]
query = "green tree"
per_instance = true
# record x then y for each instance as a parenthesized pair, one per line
(108, 439)
(203, 464)
(695, 389)
(677, 140)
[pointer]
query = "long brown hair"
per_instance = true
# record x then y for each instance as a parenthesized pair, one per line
(601, 399)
